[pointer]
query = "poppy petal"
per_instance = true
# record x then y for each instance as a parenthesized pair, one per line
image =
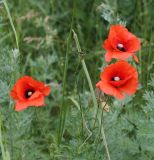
(133, 45)
(110, 90)
(46, 90)
(20, 105)
(135, 58)
(108, 56)
(131, 86)
(120, 55)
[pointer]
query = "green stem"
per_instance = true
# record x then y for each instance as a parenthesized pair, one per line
(1, 143)
(5, 154)
(105, 142)
(85, 70)
(63, 110)
(87, 76)
(103, 134)
(11, 22)
(91, 90)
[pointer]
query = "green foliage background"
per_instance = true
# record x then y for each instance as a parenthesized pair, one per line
(47, 52)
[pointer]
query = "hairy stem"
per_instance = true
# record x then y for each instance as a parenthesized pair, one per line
(11, 22)
(91, 90)
(85, 70)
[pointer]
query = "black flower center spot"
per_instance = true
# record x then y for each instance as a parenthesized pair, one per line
(29, 93)
(121, 47)
(116, 78)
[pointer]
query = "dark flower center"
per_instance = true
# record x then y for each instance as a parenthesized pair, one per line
(29, 93)
(121, 47)
(116, 78)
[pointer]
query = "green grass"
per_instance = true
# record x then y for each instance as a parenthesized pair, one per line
(68, 128)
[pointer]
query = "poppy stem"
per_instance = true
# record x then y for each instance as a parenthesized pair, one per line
(105, 142)
(103, 134)
(85, 70)
(11, 22)
(5, 154)
(87, 76)
(91, 90)
(63, 110)
(1, 143)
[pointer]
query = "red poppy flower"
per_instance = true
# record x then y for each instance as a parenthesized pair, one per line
(119, 79)
(29, 92)
(120, 44)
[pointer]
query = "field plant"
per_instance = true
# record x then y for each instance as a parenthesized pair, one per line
(59, 43)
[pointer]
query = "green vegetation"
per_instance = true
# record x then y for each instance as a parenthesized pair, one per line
(69, 127)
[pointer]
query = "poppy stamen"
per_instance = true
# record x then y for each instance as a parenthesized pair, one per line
(121, 47)
(29, 93)
(116, 78)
